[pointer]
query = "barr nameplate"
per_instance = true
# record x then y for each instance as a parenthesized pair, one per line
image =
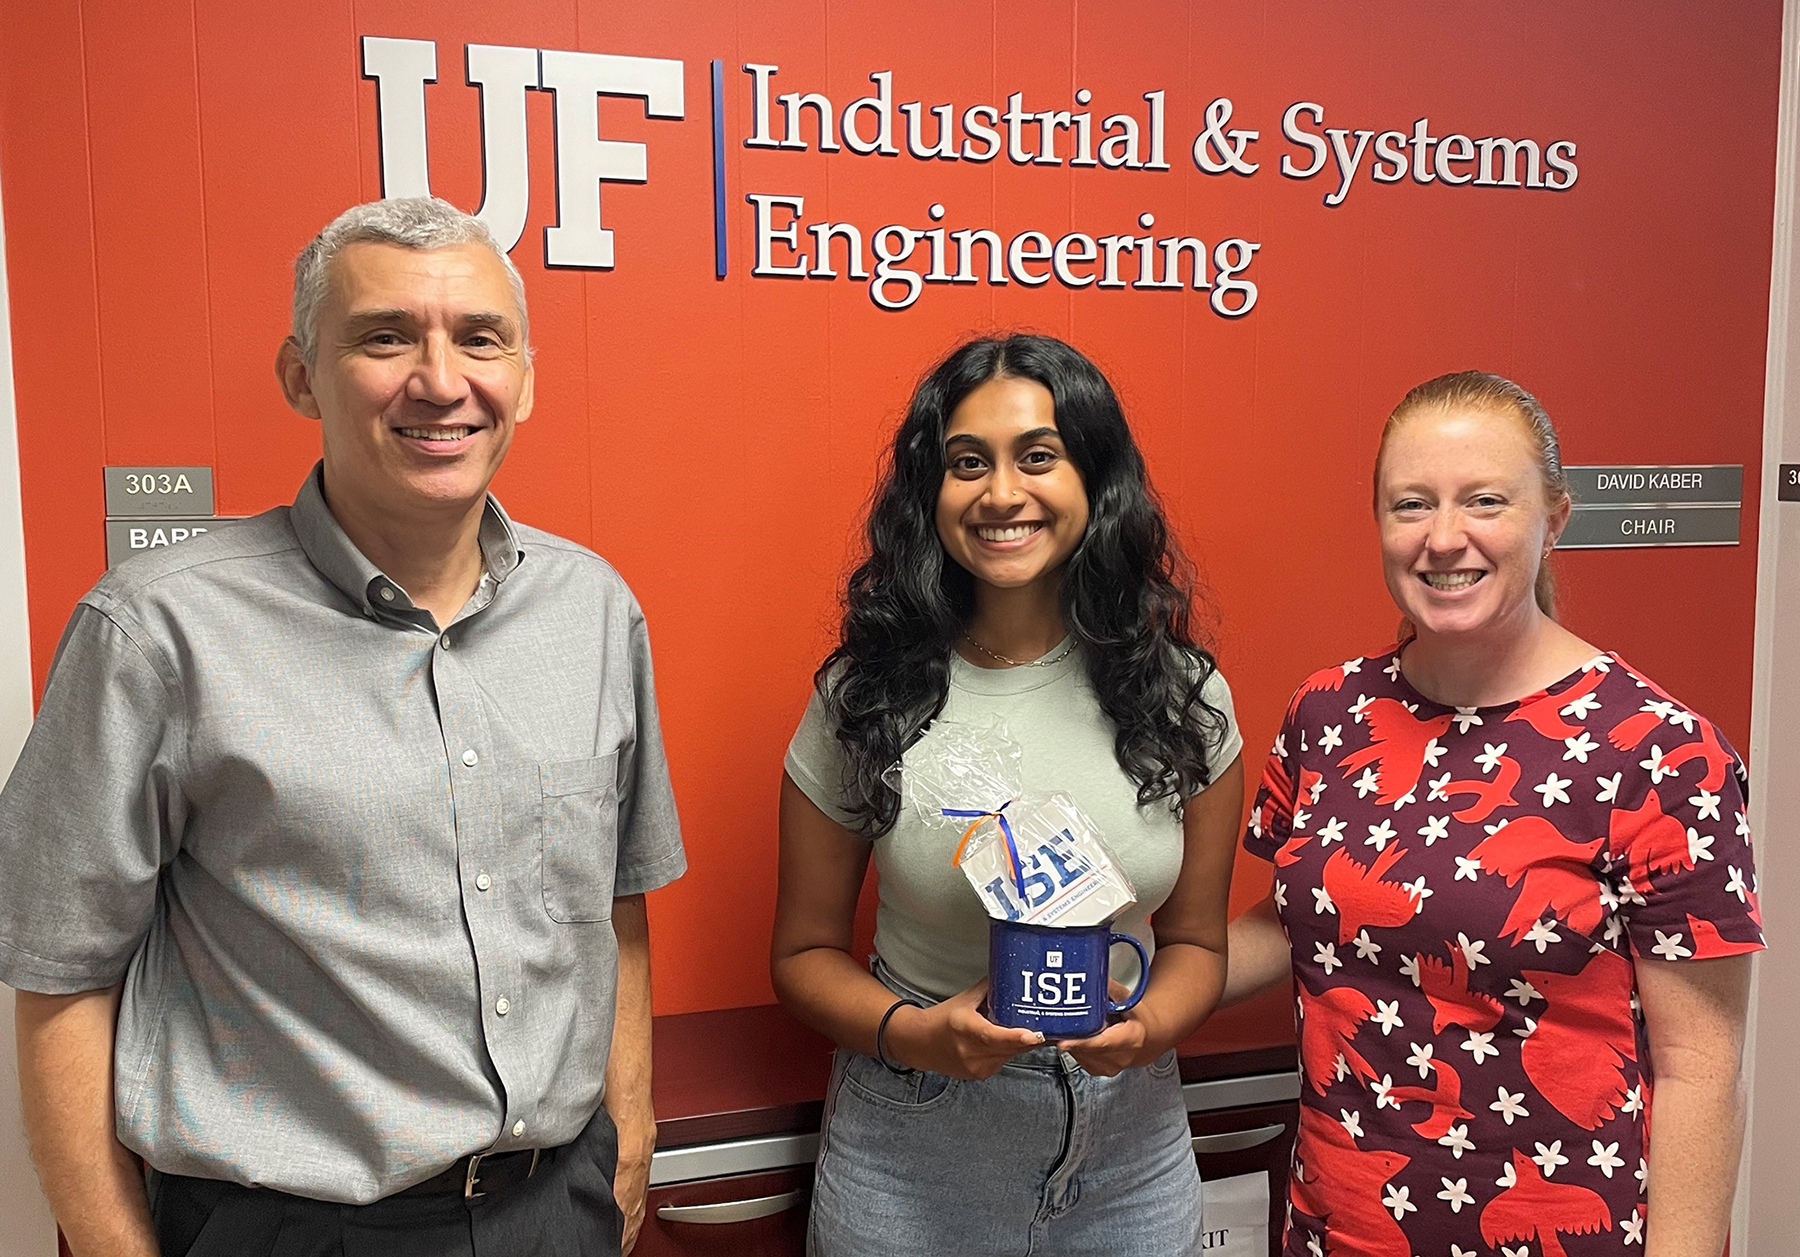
(159, 491)
(126, 537)
(1656, 486)
(1591, 527)
(1787, 487)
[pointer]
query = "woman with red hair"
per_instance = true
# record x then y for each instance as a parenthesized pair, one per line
(1513, 890)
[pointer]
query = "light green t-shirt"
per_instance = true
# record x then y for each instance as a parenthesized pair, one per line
(930, 927)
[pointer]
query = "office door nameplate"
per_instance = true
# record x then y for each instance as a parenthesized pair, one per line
(168, 492)
(126, 537)
(1631, 505)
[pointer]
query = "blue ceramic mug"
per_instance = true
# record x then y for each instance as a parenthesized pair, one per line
(1052, 978)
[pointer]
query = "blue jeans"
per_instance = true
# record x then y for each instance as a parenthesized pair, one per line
(1041, 1160)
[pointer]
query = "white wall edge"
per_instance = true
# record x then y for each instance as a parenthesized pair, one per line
(1748, 1209)
(29, 1230)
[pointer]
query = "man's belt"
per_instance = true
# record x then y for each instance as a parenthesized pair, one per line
(480, 1174)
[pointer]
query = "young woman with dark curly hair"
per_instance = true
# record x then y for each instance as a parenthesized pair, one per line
(1018, 566)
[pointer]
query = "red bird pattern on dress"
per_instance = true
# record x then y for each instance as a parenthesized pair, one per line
(1320, 681)
(1399, 744)
(1488, 794)
(1452, 1002)
(1534, 1208)
(1328, 1025)
(1543, 710)
(1708, 748)
(1468, 893)
(1658, 843)
(1359, 896)
(1557, 873)
(1582, 1042)
(1340, 1181)
(1444, 1098)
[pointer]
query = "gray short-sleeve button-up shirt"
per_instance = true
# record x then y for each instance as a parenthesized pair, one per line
(356, 874)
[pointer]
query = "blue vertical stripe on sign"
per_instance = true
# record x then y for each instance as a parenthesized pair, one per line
(718, 128)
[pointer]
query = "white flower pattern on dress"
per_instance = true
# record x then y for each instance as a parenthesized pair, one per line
(1524, 992)
(1554, 789)
(1734, 883)
(1509, 1105)
(1606, 1157)
(1420, 1058)
(1669, 947)
(1633, 1227)
(1473, 950)
(1381, 1088)
(1457, 1193)
(1699, 845)
(1579, 747)
(1543, 934)
(1465, 842)
(1550, 1158)
(1480, 1044)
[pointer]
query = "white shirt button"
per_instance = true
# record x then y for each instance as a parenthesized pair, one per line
(483, 881)
(444, 641)
(518, 1129)
(470, 758)
(387, 595)
(503, 1006)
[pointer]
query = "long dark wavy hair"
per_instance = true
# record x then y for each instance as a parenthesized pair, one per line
(1126, 591)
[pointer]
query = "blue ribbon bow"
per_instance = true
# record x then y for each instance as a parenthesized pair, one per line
(998, 815)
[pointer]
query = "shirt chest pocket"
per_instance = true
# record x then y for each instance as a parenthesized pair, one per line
(579, 829)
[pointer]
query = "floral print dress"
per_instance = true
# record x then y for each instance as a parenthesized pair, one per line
(1468, 893)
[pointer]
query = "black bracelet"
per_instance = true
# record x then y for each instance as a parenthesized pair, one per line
(881, 1034)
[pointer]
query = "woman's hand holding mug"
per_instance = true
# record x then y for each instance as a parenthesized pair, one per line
(1124, 1044)
(954, 1039)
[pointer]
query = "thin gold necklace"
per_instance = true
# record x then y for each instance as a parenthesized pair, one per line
(1069, 644)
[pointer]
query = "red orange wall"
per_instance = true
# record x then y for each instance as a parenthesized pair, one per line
(162, 162)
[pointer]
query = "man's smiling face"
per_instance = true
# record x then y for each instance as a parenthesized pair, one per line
(421, 373)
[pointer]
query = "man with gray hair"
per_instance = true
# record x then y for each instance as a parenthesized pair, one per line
(326, 857)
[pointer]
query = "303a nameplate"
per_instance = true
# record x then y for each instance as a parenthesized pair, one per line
(163, 492)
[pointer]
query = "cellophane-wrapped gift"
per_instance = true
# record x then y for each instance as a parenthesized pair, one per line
(1030, 857)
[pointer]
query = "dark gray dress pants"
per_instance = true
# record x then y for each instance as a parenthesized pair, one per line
(565, 1209)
